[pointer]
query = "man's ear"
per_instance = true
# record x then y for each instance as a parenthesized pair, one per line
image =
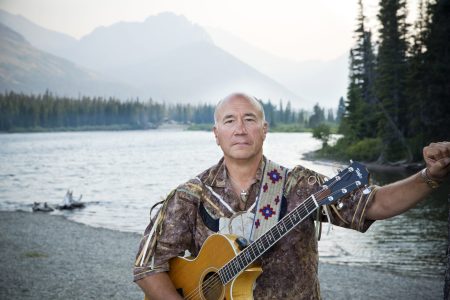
(265, 129)
(215, 135)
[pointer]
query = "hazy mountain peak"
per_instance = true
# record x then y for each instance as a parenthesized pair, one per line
(128, 43)
(27, 69)
(40, 37)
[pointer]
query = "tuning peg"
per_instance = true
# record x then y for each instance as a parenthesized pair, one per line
(366, 191)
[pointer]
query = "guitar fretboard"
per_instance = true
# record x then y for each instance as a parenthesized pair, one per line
(267, 240)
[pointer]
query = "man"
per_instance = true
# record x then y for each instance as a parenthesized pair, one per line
(192, 212)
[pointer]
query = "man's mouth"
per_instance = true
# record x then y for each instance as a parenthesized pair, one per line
(241, 144)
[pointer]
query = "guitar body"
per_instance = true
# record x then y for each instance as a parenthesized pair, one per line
(197, 278)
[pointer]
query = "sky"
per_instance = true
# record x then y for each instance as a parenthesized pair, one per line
(299, 30)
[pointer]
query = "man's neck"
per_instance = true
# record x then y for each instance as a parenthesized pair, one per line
(243, 171)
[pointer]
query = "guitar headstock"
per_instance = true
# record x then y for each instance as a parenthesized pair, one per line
(345, 182)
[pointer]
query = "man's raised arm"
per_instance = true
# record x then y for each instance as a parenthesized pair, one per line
(395, 198)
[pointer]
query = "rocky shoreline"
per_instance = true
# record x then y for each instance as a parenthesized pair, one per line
(48, 257)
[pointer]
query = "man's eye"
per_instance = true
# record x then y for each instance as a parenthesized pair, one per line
(250, 119)
(228, 121)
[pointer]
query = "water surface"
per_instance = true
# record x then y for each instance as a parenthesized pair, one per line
(121, 174)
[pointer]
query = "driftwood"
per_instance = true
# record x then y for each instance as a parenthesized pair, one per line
(68, 204)
(44, 207)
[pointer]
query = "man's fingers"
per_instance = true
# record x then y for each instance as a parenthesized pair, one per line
(436, 151)
(440, 168)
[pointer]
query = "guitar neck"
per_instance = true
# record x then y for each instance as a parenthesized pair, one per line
(267, 240)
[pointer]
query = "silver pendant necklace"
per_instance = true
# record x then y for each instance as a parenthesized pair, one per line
(244, 196)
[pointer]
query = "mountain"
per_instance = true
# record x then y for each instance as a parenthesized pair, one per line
(43, 39)
(165, 57)
(128, 43)
(174, 60)
(27, 69)
(201, 72)
(317, 81)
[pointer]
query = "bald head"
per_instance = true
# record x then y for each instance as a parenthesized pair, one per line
(243, 97)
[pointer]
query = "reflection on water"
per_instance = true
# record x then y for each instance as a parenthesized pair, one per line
(121, 174)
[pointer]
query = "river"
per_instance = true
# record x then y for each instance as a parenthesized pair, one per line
(122, 173)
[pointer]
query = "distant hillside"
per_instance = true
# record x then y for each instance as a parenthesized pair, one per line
(201, 72)
(43, 39)
(316, 81)
(129, 43)
(166, 57)
(27, 69)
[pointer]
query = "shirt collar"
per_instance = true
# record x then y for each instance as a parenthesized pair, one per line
(218, 176)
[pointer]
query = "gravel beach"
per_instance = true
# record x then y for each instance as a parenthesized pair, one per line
(48, 257)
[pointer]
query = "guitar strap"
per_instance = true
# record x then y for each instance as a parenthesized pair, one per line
(269, 202)
(270, 206)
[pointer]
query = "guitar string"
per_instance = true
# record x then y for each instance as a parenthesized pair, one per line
(212, 282)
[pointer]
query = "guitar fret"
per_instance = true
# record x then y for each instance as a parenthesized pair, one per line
(229, 275)
(306, 208)
(233, 267)
(313, 204)
(241, 264)
(253, 251)
(279, 235)
(282, 224)
(314, 200)
(221, 276)
(288, 223)
(225, 274)
(247, 257)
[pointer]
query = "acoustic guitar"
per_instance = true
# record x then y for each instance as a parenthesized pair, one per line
(225, 267)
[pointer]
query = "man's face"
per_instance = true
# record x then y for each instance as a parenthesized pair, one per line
(240, 130)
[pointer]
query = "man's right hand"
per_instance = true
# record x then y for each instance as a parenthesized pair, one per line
(158, 287)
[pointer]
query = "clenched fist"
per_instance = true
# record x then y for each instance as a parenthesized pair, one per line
(437, 158)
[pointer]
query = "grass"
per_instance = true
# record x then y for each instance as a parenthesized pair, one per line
(200, 127)
(118, 127)
(35, 254)
(279, 127)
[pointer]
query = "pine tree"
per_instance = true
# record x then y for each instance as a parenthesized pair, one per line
(330, 116)
(436, 109)
(340, 110)
(391, 80)
(415, 88)
(317, 117)
(360, 118)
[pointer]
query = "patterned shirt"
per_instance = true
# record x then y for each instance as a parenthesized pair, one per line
(290, 267)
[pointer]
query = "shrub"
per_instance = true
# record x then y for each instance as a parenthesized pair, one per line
(365, 150)
(322, 132)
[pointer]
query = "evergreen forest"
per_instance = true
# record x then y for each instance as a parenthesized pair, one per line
(398, 97)
(46, 112)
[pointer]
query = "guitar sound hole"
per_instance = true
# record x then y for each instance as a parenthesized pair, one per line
(212, 287)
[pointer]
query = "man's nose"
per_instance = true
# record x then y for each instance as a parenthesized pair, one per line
(240, 127)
